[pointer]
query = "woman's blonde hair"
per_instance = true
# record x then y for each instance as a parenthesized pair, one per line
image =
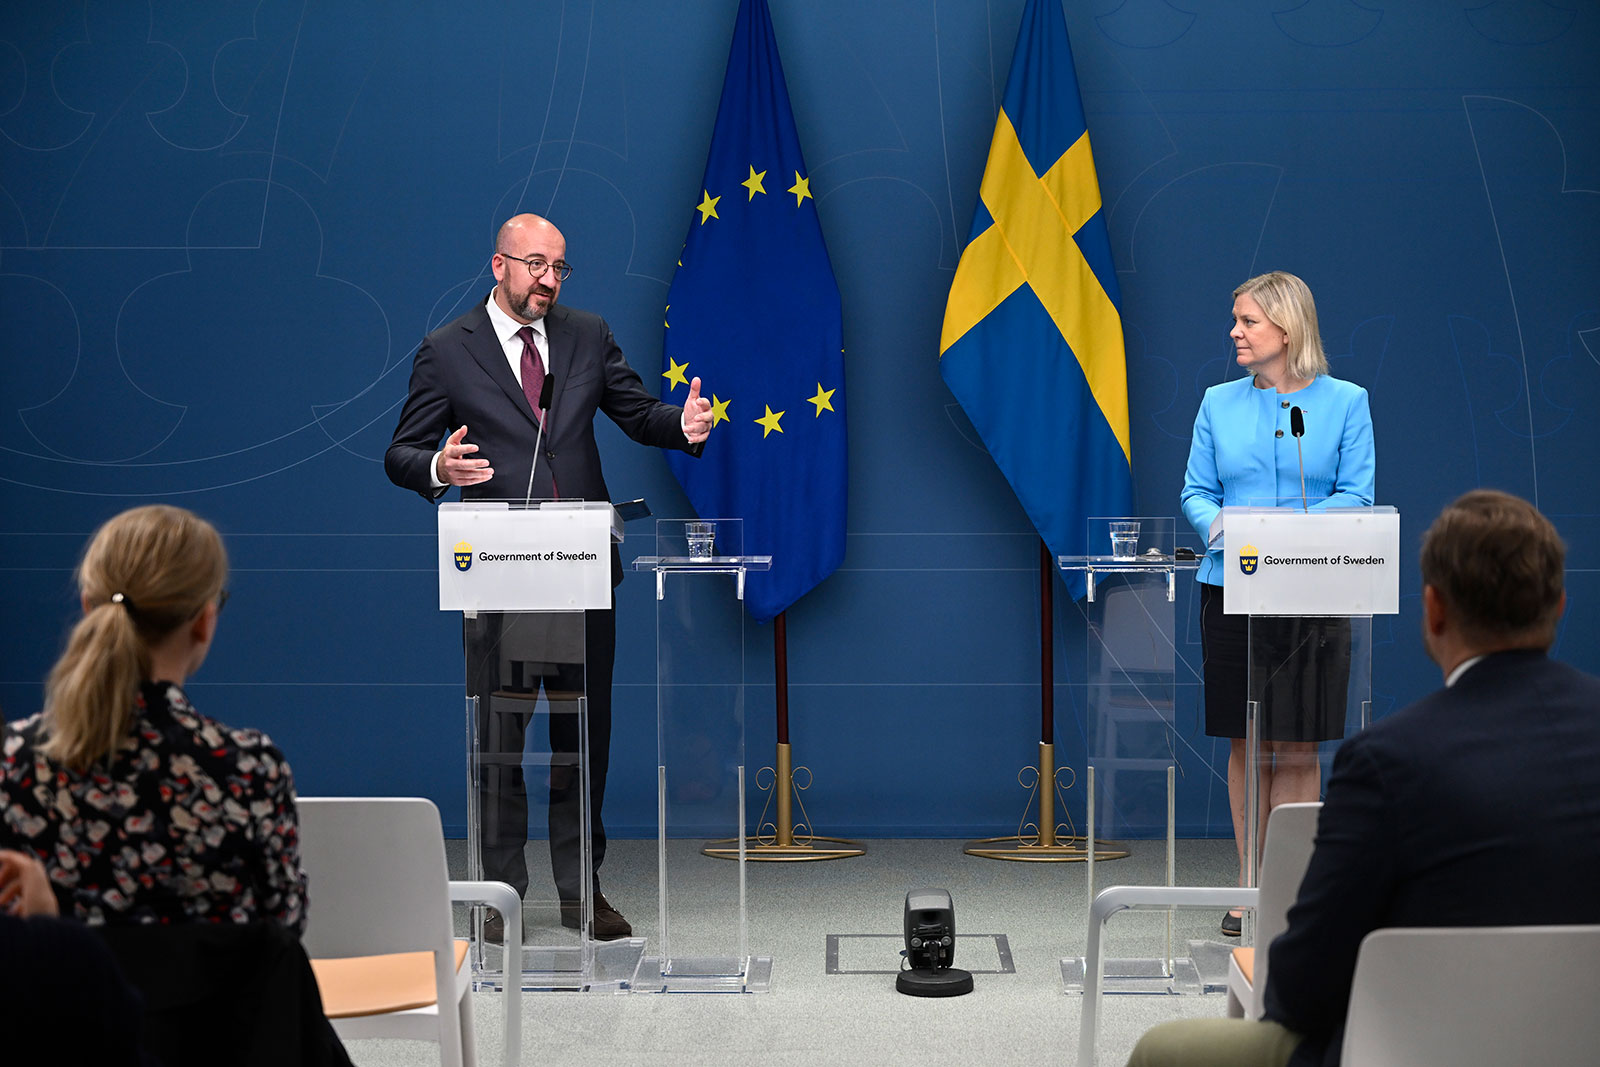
(145, 573)
(1286, 300)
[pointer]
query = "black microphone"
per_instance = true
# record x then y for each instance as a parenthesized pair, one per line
(1297, 427)
(545, 392)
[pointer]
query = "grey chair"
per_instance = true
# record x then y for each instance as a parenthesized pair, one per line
(380, 933)
(1474, 997)
(1291, 831)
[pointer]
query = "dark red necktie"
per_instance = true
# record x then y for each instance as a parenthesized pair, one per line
(532, 371)
(533, 384)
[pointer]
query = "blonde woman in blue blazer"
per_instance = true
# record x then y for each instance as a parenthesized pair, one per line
(1244, 453)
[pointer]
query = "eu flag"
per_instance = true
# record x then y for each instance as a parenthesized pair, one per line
(754, 312)
(1032, 341)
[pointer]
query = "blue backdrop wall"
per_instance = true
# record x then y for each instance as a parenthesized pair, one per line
(225, 226)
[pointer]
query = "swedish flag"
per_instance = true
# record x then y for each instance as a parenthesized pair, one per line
(754, 311)
(1032, 341)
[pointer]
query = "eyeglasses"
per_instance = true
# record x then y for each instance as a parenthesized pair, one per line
(538, 265)
(222, 601)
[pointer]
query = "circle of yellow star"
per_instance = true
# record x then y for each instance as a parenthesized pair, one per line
(823, 399)
(769, 421)
(801, 188)
(707, 207)
(753, 183)
(719, 410)
(674, 372)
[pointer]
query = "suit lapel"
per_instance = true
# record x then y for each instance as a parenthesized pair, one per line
(558, 336)
(484, 346)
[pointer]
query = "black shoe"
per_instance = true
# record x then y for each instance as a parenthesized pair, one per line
(494, 928)
(609, 925)
(1232, 925)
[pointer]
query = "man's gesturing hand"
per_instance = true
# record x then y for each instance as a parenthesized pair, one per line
(456, 468)
(696, 415)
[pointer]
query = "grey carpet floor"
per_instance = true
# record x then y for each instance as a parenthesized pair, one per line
(811, 1016)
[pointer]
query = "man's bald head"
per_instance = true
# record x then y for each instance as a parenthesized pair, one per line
(519, 230)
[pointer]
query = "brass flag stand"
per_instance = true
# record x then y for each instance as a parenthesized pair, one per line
(782, 839)
(1042, 839)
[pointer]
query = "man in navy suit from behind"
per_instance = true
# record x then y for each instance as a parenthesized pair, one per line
(475, 387)
(1476, 806)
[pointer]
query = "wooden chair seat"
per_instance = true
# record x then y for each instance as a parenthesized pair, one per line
(1245, 958)
(375, 985)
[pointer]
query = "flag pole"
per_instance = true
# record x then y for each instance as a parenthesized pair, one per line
(785, 768)
(1043, 839)
(778, 841)
(1047, 696)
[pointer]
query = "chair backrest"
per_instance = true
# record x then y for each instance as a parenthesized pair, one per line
(1291, 832)
(1471, 996)
(378, 882)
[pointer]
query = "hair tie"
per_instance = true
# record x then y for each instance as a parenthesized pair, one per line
(118, 598)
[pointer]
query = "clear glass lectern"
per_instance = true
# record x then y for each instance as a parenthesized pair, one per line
(1307, 582)
(1310, 581)
(700, 571)
(1134, 745)
(524, 577)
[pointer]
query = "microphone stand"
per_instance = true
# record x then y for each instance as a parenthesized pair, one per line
(1297, 426)
(544, 416)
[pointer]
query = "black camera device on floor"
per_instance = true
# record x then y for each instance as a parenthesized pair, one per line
(930, 946)
(930, 928)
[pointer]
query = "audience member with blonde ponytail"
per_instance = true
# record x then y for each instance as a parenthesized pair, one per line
(141, 809)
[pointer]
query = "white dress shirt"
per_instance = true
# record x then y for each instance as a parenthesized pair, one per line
(506, 329)
(1461, 668)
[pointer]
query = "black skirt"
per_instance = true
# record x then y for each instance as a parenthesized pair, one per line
(1301, 680)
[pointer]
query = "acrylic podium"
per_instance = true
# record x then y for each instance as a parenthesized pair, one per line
(1310, 580)
(1134, 744)
(702, 943)
(523, 575)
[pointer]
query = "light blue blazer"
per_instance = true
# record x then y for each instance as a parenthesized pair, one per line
(1243, 453)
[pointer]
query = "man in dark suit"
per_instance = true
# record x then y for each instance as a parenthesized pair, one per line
(1476, 806)
(483, 385)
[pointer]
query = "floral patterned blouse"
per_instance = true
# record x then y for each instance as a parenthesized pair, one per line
(193, 821)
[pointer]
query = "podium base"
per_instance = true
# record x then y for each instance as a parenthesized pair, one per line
(608, 967)
(1203, 972)
(706, 974)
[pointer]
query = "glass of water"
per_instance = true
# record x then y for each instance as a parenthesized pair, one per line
(701, 537)
(1124, 539)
